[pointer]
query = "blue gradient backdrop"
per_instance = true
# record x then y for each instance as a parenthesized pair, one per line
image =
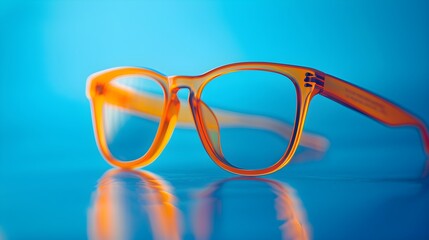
(49, 48)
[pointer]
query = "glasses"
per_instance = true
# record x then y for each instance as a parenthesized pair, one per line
(249, 116)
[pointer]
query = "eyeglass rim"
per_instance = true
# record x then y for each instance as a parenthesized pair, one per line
(312, 81)
(168, 121)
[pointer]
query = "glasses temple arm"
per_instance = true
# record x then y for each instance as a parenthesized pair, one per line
(372, 105)
(151, 106)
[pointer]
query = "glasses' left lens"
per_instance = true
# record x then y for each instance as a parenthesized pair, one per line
(249, 117)
(131, 116)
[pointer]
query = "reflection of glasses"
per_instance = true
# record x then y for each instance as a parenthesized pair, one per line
(135, 111)
(213, 204)
(123, 197)
(138, 204)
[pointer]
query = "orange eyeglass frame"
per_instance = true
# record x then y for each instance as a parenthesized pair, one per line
(308, 83)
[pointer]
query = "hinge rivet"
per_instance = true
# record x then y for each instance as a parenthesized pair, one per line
(99, 89)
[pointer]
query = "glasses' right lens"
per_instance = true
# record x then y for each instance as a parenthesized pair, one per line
(131, 116)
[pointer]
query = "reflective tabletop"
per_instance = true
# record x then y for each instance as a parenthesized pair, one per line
(210, 204)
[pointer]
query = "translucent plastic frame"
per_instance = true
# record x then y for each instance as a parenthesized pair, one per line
(308, 83)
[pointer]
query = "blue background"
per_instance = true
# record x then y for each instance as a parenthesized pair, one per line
(49, 48)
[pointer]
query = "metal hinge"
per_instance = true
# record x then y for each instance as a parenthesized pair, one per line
(99, 89)
(317, 77)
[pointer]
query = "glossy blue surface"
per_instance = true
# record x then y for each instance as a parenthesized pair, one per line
(53, 179)
(204, 205)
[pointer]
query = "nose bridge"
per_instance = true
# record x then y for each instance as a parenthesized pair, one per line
(190, 82)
